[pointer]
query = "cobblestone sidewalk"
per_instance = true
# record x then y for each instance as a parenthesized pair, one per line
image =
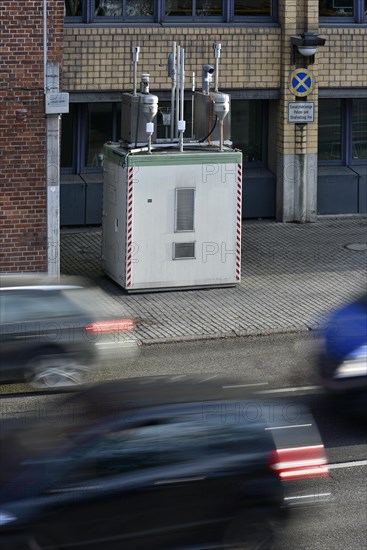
(291, 275)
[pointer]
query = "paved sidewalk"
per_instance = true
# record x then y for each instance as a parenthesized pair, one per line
(291, 275)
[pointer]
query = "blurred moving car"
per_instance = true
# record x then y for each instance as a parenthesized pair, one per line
(342, 362)
(155, 463)
(49, 334)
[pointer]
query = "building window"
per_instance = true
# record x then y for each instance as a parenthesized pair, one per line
(193, 8)
(353, 11)
(359, 129)
(98, 131)
(336, 8)
(87, 127)
(247, 124)
(124, 8)
(166, 11)
(248, 8)
(342, 131)
(163, 120)
(84, 131)
(68, 139)
(330, 129)
(73, 8)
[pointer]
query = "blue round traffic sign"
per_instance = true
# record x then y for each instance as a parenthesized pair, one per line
(301, 82)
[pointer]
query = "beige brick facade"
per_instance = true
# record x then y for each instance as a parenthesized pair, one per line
(343, 59)
(100, 59)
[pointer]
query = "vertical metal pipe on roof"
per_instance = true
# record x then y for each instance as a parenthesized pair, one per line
(217, 48)
(182, 87)
(177, 113)
(192, 104)
(135, 57)
(173, 91)
(182, 83)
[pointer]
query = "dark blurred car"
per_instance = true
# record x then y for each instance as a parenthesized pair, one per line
(49, 334)
(342, 362)
(155, 463)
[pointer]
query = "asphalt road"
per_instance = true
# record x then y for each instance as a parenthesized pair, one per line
(281, 367)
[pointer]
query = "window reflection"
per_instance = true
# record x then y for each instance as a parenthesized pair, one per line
(330, 129)
(67, 142)
(246, 123)
(208, 7)
(111, 8)
(128, 8)
(99, 130)
(178, 8)
(163, 120)
(336, 8)
(189, 8)
(73, 8)
(247, 8)
(359, 129)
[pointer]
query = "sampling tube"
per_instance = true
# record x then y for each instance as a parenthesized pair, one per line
(173, 90)
(177, 112)
(135, 56)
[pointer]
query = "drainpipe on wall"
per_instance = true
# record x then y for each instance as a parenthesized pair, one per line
(51, 84)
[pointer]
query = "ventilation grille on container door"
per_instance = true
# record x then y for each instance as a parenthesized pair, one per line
(183, 251)
(184, 215)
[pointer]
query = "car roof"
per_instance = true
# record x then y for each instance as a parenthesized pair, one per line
(145, 392)
(34, 281)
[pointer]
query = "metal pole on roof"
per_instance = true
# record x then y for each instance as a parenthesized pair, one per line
(173, 90)
(177, 112)
(217, 48)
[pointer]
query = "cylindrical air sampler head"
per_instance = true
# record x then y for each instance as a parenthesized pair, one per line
(150, 107)
(220, 104)
(207, 72)
(144, 84)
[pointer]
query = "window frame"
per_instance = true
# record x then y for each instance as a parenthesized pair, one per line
(346, 142)
(264, 107)
(255, 18)
(159, 17)
(80, 138)
(358, 17)
(120, 18)
(191, 18)
(77, 18)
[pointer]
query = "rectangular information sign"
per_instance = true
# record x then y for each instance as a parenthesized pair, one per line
(300, 112)
(57, 103)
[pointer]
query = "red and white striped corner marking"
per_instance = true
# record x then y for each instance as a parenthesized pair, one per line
(238, 222)
(129, 233)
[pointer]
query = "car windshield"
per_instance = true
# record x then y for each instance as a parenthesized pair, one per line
(22, 305)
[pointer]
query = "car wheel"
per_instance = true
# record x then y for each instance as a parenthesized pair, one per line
(55, 371)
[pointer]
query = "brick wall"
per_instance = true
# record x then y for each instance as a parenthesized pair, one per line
(343, 59)
(99, 59)
(23, 238)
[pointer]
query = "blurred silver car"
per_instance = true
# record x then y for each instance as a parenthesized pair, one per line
(50, 336)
